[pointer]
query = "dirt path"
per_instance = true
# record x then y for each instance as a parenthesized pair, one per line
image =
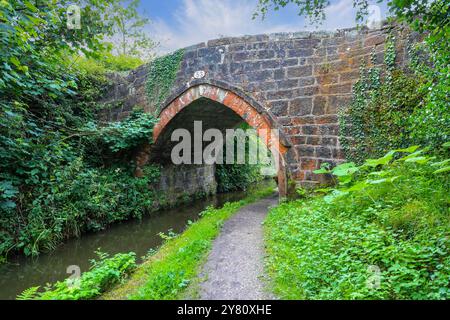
(235, 264)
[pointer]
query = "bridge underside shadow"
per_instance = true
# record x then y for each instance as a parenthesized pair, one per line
(211, 115)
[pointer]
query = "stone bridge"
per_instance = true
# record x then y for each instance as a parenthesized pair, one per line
(293, 82)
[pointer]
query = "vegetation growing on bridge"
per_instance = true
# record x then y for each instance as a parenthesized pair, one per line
(161, 76)
(403, 107)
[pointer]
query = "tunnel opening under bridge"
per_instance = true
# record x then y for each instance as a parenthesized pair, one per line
(212, 108)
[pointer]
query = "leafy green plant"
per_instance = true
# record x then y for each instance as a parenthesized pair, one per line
(389, 213)
(34, 41)
(104, 273)
(123, 135)
(430, 121)
(66, 194)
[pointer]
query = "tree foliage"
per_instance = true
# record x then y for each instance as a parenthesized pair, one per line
(35, 41)
(421, 14)
(130, 37)
(54, 180)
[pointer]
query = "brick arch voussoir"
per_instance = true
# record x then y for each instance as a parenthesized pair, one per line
(247, 108)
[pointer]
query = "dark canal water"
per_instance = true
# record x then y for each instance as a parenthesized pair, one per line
(135, 235)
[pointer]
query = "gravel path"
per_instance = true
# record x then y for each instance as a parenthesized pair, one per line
(235, 264)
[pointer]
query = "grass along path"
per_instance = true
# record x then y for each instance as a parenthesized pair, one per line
(388, 240)
(172, 272)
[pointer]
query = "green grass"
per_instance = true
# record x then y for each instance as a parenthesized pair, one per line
(174, 267)
(332, 247)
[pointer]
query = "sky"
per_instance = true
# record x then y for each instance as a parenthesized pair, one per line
(181, 23)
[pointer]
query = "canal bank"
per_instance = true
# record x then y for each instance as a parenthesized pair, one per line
(138, 236)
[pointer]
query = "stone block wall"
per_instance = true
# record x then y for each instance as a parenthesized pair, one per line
(302, 79)
(185, 183)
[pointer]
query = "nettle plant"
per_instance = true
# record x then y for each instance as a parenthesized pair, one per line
(351, 178)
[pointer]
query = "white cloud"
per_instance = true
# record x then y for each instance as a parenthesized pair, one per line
(342, 14)
(201, 20)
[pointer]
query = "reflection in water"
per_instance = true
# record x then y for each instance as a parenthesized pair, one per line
(135, 235)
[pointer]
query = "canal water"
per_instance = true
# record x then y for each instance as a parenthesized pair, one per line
(138, 236)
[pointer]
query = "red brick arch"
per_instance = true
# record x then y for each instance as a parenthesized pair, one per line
(259, 119)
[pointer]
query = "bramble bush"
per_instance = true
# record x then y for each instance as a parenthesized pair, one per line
(59, 193)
